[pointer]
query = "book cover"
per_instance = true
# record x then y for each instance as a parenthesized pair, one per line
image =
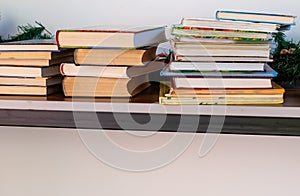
(111, 37)
(215, 66)
(30, 45)
(167, 96)
(18, 71)
(233, 25)
(104, 87)
(267, 73)
(138, 57)
(30, 81)
(29, 90)
(221, 59)
(179, 31)
(275, 90)
(281, 19)
(70, 69)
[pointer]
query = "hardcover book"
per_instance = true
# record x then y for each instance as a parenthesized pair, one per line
(189, 45)
(233, 25)
(13, 71)
(138, 57)
(215, 66)
(281, 19)
(179, 31)
(30, 45)
(221, 100)
(29, 90)
(186, 92)
(222, 52)
(222, 58)
(104, 87)
(111, 37)
(30, 81)
(70, 69)
(202, 96)
(35, 58)
(267, 73)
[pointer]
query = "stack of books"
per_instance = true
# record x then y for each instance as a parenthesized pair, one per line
(224, 61)
(31, 67)
(110, 61)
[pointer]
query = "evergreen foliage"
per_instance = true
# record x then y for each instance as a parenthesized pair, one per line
(29, 32)
(286, 59)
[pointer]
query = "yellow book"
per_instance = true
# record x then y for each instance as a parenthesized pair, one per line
(169, 96)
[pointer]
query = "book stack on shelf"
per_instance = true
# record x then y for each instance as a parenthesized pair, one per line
(110, 61)
(31, 67)
(224, 61)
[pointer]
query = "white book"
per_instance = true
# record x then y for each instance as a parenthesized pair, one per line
(233, 25)
(215, 66)
(196, 82)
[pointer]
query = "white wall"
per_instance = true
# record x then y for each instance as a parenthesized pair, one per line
(55, 14)
(55, 162)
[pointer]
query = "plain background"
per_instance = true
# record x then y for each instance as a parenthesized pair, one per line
(56, 14)
(35, 161)
(55, 162)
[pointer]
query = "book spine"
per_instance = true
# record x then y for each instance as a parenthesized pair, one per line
(61, 68)
(217, 14)
(57, 38)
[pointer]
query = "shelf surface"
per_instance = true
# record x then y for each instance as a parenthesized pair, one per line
(147, 102)
(144, 113)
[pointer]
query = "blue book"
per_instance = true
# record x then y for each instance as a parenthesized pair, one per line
(280, 19)
(267, 73)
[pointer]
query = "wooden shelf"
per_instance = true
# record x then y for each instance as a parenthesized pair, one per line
(59, 111)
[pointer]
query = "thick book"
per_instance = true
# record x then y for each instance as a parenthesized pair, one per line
(215, 66)
(218, 24)
(124, 57)
(31, 55)
(281, 19)
(70, 69)
(18, 71)
(267, 73)
(35, 58)
(111, 37)
(104, 87)
(30, 45)
(180, 31)
(26, 81)
(35, 62)
(29, 90)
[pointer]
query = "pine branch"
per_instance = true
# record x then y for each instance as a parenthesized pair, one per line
(29, 32)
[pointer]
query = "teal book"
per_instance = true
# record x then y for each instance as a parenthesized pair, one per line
(280, 19)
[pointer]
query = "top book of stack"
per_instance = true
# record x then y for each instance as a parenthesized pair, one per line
(30, 45)
(111, 37)
(279, 19)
